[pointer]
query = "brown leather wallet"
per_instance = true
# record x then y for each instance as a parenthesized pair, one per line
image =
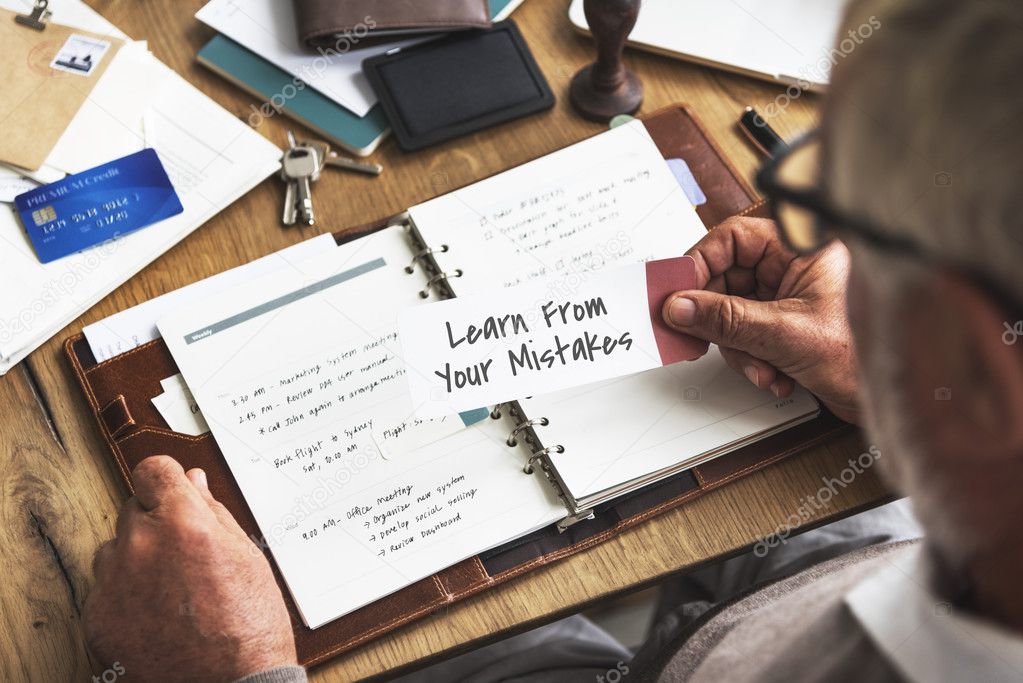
(119, 391)
(356, 23)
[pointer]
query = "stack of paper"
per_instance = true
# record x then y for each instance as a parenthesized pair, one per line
(212, 158)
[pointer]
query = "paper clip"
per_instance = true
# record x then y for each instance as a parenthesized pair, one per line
(37, 17)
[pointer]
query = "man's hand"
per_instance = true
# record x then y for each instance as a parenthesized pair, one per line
(181, 593)
(776, 317)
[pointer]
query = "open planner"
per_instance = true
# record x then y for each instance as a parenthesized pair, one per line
(374, 518)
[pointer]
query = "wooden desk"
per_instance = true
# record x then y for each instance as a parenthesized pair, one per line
(60, 494)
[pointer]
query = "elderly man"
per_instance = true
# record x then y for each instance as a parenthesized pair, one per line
(902, 202)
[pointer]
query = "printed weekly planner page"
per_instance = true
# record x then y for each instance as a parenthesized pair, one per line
(300, 377)
(609, 199)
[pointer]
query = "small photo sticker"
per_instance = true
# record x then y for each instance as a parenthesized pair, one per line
(80, 55)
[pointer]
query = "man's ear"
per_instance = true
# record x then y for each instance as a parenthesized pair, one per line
(962, 375)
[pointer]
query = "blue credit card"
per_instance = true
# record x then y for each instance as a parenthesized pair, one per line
(97, 205)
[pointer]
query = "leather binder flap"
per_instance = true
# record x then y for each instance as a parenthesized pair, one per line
(119, 393)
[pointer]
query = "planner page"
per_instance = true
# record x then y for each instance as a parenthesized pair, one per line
(300, 377)
(608, 199)
(637, 429)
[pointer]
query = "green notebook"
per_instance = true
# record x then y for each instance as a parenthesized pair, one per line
(277, 90)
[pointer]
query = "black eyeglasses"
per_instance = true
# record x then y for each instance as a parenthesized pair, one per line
(807, 219)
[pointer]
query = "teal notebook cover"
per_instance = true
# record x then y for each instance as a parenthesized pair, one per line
(277, 87)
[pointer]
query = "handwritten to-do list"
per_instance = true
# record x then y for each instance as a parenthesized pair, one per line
(301, 377)
(604, 201)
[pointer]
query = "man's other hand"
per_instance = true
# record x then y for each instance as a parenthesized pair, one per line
(777, 319)
(181, 593)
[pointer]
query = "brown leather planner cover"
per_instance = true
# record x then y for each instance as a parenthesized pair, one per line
(119, 391)
(355, 23)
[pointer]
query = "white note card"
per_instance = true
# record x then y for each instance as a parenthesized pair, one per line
(503, 345)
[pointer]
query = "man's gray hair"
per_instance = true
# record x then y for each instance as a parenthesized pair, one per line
(922, 137)
(923, 134)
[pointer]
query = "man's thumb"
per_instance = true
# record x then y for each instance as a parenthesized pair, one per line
(730, 321)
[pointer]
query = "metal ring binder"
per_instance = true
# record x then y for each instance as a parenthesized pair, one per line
(512, 441)
(424, 293)
(528, 467)
(425, 251)
(495, 413)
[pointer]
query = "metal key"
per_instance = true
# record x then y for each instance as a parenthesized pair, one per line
(329, 157)
(290, 210)
(301, 166)
(332, 159)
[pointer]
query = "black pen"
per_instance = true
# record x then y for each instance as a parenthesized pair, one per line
(760, 133)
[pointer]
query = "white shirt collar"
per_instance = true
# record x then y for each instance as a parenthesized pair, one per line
(926, 638)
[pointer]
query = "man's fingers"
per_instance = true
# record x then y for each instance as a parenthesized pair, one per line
(730, 321)
(128, 517)
(783, 386)
(102, 559)
(747, 243)
(159, 480)
(198, 478)
(759, 373)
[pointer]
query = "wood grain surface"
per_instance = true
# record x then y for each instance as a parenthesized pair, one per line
(61, 495)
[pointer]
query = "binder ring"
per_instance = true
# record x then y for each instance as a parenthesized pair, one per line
(426, 251)
(528, 467)
(432, 282)
(512, 441)
(495, 413)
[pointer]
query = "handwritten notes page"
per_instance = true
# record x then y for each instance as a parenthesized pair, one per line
(608, 199)
(295, 373)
